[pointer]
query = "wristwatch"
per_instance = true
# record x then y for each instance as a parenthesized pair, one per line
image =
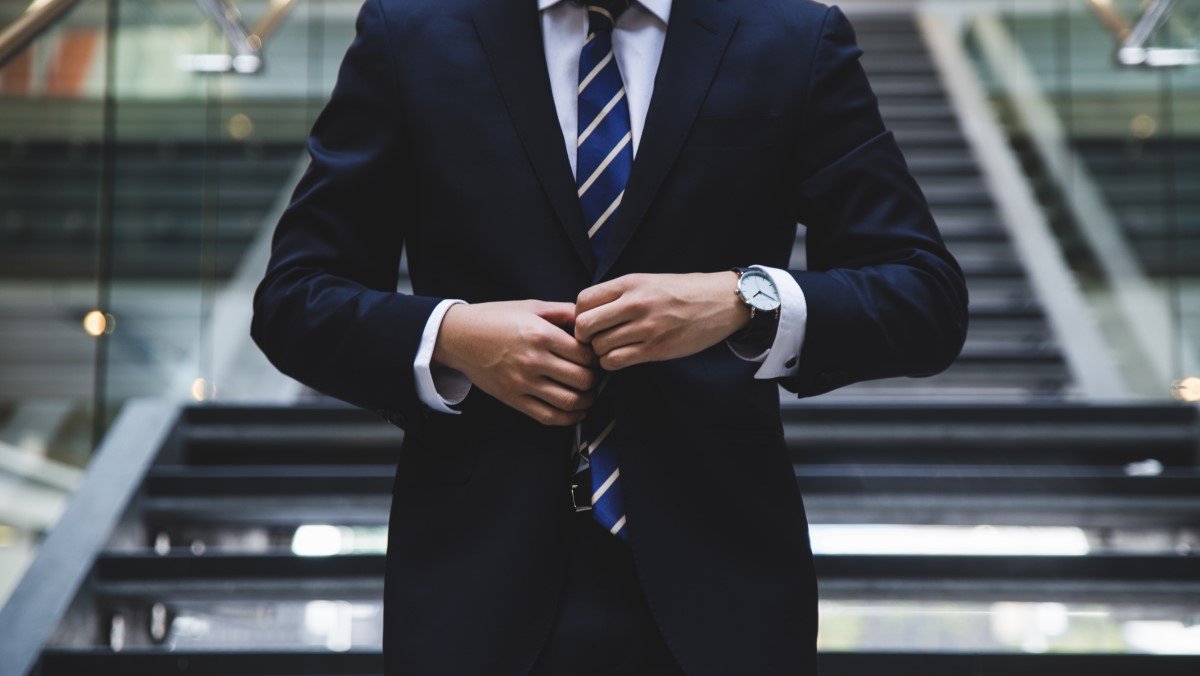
(757, 290)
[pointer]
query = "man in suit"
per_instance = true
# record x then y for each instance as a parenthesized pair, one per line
(598, 204)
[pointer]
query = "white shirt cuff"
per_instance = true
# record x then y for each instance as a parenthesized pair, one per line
(438, 387)
(782, 358)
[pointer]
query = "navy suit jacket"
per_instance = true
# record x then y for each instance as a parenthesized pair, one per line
(441, 137)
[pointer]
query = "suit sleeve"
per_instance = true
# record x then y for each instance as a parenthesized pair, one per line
(327, 312)
(884, 296)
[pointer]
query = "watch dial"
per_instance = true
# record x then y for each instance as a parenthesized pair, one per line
(759, 291)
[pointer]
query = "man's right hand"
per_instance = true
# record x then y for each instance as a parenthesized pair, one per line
(524, 353)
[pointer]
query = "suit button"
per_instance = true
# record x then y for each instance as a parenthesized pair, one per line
(791, 362)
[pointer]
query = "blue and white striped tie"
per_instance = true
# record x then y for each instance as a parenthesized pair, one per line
(604, 157)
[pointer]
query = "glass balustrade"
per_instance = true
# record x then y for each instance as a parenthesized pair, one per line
(147, 146)
(141, 166)
(1101, 102)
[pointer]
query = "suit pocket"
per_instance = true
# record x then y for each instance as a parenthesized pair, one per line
(733, 131)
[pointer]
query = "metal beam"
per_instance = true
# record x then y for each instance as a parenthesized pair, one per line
(1090, 358)
(63, 561)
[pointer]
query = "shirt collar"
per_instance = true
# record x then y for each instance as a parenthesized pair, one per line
(659, 8)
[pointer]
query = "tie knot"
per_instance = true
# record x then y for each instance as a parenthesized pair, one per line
(602, 14)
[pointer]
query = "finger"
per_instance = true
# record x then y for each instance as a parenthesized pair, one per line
(601, 294)
(623, 357)
(623, 334)
(561, 315)
(560, 397)
(572, 375)
(564, 345)
(545, 413)
(592, 322)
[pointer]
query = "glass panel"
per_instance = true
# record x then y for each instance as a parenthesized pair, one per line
(205, 153)
(140, 179)
(1115, 162)
(52, 160)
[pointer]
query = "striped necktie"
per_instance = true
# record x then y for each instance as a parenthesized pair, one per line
(604, 156)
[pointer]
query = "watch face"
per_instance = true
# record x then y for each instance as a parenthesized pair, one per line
(759, 291)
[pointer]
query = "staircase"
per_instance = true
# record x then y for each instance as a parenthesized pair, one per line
(957, 520)
(184, 215)
(169, 195)
(250, 540)
(1011, 353)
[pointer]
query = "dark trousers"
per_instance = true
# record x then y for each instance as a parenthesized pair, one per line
(603, 626)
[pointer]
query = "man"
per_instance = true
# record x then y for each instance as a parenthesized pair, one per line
(593, 478)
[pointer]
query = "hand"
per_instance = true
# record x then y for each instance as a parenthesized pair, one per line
(522, 353)
(653, 317)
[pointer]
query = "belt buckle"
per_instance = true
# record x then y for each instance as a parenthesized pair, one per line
(581, 497)
(581, 484)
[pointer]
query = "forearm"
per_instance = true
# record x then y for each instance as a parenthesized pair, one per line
(884, 296)
(327, 312)
(353, 343)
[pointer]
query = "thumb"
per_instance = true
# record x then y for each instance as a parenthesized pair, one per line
(559, 314)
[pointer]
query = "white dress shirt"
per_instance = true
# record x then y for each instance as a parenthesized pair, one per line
(637, 42)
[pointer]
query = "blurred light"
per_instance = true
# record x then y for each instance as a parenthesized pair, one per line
(218, 63)
(317, 540)
(1187, 389)
(97, 323)
(334, 620)
(116, 633)
(247, 63)
(1142, 126)
(1163, 637)
(1149, 467)
(205, 63)
(240, 126)
(158, 622)
(1052, 619)
(8, 535)
(202, 390)
(948, 540)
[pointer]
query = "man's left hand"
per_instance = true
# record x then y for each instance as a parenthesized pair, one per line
(645, 317)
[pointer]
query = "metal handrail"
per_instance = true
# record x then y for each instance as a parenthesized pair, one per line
(44, 593)
(269, 21)
(1111, 17)
(40, 15)
(1132, 38)
(247, 44)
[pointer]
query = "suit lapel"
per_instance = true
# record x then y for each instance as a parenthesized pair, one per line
(697, 34)
(510, 31)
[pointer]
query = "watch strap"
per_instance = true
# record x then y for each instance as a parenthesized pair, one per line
(759, 333)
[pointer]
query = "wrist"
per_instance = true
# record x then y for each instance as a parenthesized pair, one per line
(737, 312)
(446, 350)
(757, 292)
